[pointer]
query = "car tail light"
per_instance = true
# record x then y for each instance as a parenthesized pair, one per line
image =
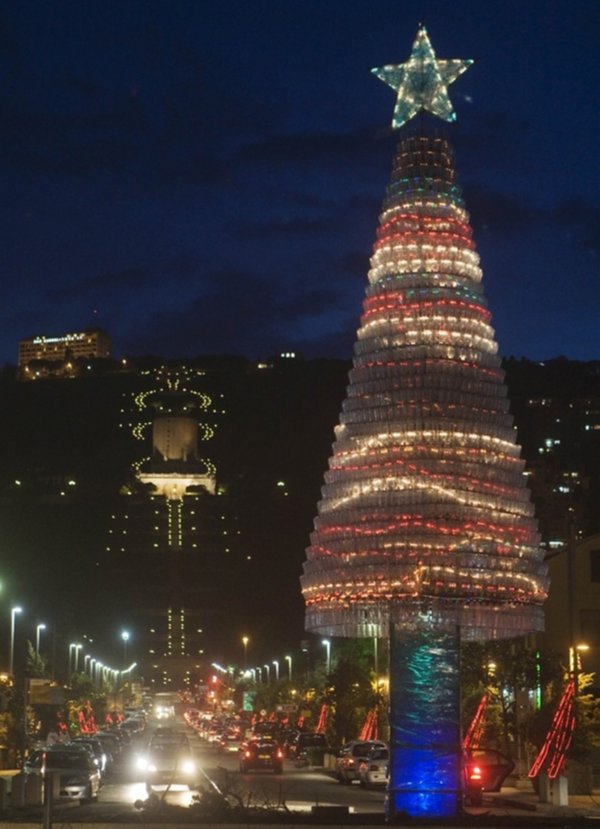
(280, 754)
(475, 774)
(247, 754)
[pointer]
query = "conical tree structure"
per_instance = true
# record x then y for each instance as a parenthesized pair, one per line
(425, 509)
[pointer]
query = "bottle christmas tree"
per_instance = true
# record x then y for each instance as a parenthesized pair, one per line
(425, 529)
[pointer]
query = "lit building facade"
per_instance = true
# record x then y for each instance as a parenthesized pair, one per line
(43, 356)
(174, 541)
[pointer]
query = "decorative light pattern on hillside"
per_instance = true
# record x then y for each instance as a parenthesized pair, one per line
(425, 508)
(422, 82)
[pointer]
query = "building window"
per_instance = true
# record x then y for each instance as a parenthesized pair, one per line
(595, 565)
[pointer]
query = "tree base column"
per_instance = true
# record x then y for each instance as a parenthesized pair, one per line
(425, 745)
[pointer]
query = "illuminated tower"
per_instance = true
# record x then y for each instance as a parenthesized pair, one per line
(425, 529)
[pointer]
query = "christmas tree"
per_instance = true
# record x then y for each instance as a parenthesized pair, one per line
(425, 531)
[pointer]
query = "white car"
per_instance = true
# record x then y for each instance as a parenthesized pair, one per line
(79, 775)
(373, 770)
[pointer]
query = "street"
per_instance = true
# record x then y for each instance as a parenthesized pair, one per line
(297, 789)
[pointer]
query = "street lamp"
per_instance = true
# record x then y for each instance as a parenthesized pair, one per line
(259, 672)
(74, 663)
(288, 659)
(268, 670)
(575, 663)
(245, 641)
(13, 613)
(39, 628)
(276, 663)
(93, 670)
(327, 644)
(125, 638)
(86, 659)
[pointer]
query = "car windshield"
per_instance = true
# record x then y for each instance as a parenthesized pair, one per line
(361, 750)
(308, 740)
(67, 760)
(168, 749)
(379, 754)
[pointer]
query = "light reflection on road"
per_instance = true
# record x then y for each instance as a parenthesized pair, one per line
(128, 793)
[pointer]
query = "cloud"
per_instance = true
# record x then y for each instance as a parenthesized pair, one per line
(133, 278)
(309, 149)
(496, 211)
(582, 217)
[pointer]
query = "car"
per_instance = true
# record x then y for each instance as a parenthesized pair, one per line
(168, 761)
(350, 757)
(485, 770)
(373, 770)
(111, 745)
(261, 753)
(230, 741)
(96, 749)
(299, 747)
(79, 775)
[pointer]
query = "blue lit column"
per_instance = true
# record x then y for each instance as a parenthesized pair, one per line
(425, 758)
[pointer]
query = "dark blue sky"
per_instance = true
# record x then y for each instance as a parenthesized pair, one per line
(207, 177)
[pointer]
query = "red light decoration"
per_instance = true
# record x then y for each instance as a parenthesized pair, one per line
(552, 755)
(425, 510)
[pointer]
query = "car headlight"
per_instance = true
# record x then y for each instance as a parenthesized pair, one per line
(188, 767)
(151, 767)
(141, 763)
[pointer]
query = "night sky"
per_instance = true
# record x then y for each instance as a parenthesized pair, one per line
(206, 177)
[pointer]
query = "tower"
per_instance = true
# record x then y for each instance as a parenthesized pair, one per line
(425, 532)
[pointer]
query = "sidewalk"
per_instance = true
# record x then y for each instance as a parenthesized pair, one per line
(523, 800)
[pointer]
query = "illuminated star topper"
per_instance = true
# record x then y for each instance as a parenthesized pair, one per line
(422, 82)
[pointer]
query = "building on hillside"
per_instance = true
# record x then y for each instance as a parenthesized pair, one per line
(61, 356)
(173, 543)
(572, 609)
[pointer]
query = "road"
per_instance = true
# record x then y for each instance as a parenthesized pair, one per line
(297, 789)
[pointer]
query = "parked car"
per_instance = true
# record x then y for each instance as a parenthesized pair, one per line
(485, 770)
(261, 753)
(97, 750)
(79, 775)
(350, 757)
(373, 770)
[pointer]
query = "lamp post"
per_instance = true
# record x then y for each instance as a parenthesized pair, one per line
(327, 644)
(276, 663)
(575, 663)
(245, 641)
(76, 665)
(86, 659)
(93, 670)
(268, 670)
(74, 648)
(13, 613)
(39, 628)
(288, 659)
(125, 638)
(259, 672)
